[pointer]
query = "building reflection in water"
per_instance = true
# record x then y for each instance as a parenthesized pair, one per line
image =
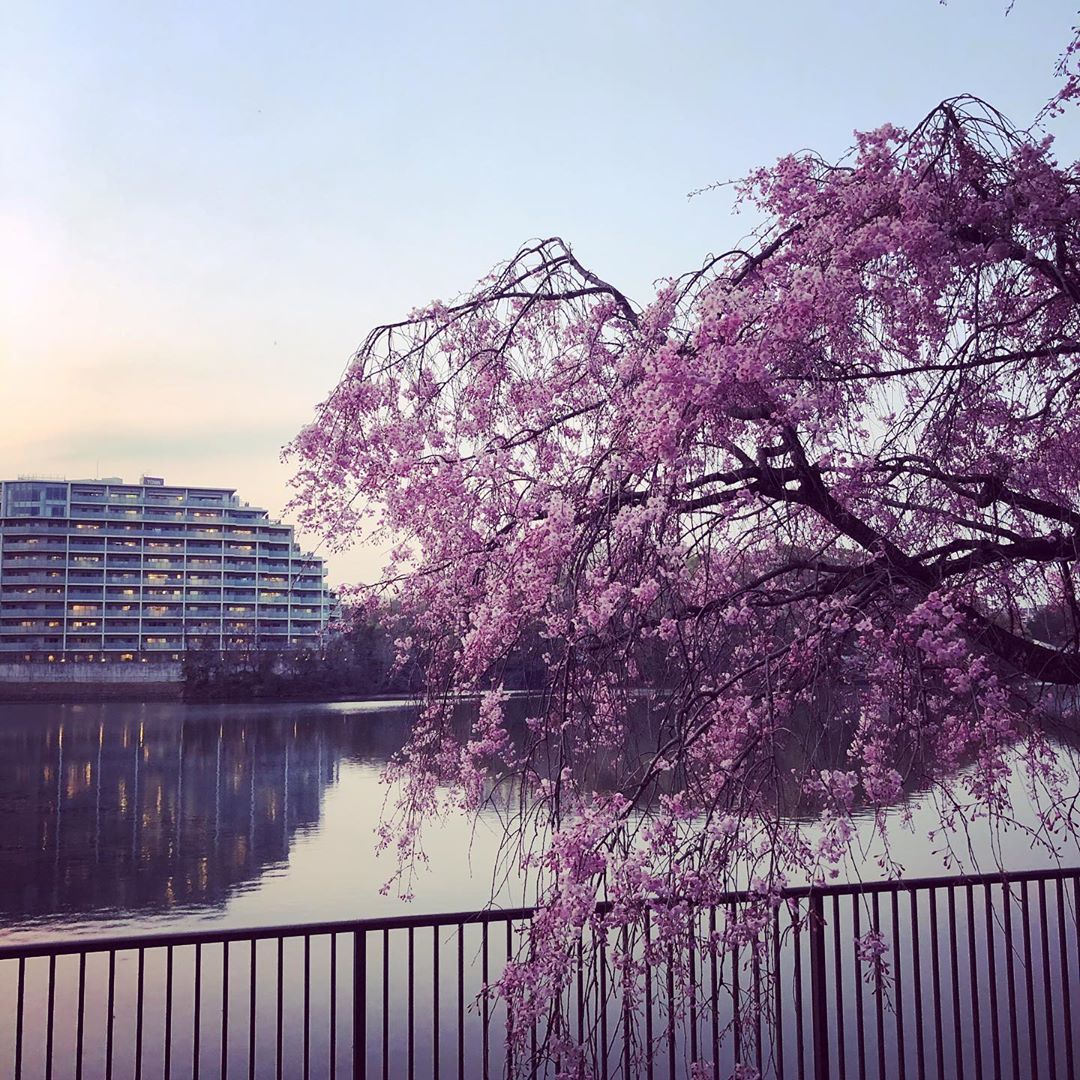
(147, 809)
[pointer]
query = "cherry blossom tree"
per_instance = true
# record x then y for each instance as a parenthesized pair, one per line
(782, 535)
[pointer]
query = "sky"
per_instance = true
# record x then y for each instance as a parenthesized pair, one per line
(204, 207)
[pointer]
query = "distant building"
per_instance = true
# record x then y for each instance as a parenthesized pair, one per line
(100, 570)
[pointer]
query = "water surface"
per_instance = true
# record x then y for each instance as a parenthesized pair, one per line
(140, 817)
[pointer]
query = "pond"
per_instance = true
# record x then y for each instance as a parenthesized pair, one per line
(119, 818)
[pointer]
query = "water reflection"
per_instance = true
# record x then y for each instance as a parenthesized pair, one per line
(146, 809)
(126, 817)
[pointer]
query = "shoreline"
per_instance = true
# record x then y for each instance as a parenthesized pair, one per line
(53, 693)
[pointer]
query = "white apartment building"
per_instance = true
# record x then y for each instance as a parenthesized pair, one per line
(100, 570)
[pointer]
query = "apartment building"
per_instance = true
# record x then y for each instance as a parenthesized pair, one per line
(103, 571)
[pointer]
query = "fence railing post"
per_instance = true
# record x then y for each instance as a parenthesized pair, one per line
(359, 1003)
(819, 1021)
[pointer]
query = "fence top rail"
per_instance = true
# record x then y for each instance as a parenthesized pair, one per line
(227, 935)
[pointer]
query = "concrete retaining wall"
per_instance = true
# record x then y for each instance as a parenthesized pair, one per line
(97, 673)
(91, 682)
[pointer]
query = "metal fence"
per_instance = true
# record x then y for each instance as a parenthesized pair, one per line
(981, 976)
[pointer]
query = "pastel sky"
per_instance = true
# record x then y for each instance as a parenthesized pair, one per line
(205, 206)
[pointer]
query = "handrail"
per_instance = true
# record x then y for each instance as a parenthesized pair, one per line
(89, 945)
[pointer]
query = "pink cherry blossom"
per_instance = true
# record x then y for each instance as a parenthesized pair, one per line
(787, 538)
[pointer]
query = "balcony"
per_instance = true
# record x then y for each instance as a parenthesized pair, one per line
(35, 525)
(160, 531)
(35, 560)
